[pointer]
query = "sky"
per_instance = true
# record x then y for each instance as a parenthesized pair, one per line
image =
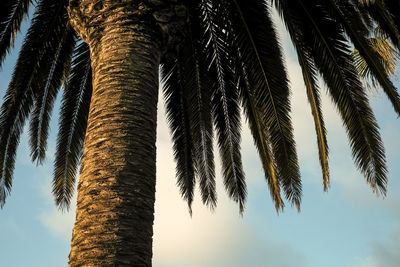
(347, 226)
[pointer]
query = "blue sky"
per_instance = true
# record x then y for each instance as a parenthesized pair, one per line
(348, 226)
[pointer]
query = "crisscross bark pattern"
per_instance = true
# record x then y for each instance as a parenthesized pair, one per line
(116, 190)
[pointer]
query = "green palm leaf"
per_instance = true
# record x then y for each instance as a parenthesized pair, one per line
(10, 133)
(193, 99)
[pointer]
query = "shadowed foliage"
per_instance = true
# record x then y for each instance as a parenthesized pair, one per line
(230, 57)
(217, 57)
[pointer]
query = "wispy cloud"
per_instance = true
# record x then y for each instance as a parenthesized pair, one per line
(384, 253)
(60, 224)
(219, 238)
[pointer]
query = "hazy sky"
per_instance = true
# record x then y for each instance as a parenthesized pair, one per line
(348, 226)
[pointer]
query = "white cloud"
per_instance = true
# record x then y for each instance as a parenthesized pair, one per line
(8, 225)
(387, 253)
(57, 222)
(60, 224)
(219, 238)
(384, 253)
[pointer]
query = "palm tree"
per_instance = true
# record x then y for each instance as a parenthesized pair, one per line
(216, 57)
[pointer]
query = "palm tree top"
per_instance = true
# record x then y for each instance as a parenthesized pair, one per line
(227, 58)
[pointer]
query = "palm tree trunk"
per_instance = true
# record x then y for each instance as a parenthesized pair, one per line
(116, 190)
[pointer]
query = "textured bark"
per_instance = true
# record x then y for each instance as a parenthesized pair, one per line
(116, 190)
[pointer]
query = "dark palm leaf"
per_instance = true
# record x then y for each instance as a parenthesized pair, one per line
(230, 55)
(261, 139)
(199, 84)
(190, 106)
(36, 56)
(347, 15)
(267, 78)
(307, 65)
(39, 124)
(393, 7)
(10, 133)
(389, 58)
(387, 21)
(199, 95)
(73, 122)
(313, 95)
(225, 100)
(333, 58)
(176, 108)
(12, 13)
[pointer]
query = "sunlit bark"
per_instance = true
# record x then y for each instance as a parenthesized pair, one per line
(116, 190)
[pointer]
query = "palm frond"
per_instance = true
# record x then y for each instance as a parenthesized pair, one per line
(195, 75)
(176, 108)
(394, 9)
(266, 74)
(225, 101)
(347, 15)
(10, 134)
(261, 139)
(389, 58)
(72, 126)
(379, 12)
(363, 12)
(308, 68)
(309, 76)
(189, 104)
(54, 76)
(333, 58)
(36, 55)
(199, 98)
(12, 13)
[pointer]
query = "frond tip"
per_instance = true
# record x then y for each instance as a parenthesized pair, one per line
(266, 76)
(73, 121)
(227, 56)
